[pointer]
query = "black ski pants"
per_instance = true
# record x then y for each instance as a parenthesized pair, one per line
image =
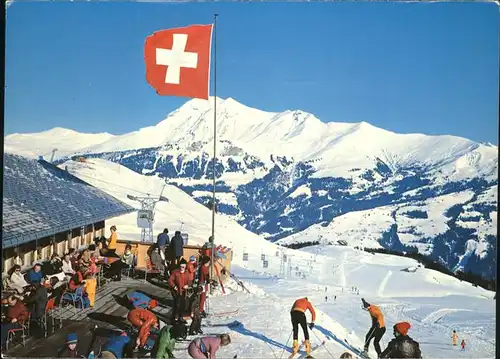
(195, 308)
(299, 318)
(375, 333)
(179, 309)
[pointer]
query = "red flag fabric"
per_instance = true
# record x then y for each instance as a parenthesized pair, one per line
(178, 61)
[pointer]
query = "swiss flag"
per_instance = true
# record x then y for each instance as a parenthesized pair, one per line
(178, 61)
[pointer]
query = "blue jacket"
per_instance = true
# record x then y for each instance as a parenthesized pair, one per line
(163, 240)
(177, 246)
(139, 300)
(116, 345)
(33, 277)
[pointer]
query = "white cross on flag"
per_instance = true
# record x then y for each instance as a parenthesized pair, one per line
(178, 61)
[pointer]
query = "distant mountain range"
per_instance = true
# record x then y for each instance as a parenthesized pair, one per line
(290, 177)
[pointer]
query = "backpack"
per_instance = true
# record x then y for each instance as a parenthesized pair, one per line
(138, 300)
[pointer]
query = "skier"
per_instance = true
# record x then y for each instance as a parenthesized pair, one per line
(299, 317)
(204, 279)
(454, 337)
(377, 329)
(334, 297)
(402, 346)
(462, 345)
(179, 281)
(145, 321)
(326, 298)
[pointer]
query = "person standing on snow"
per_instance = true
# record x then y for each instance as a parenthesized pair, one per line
(179, 282)
(203, 280)
(176, 248)
(454, 338)
(191, 268)
(462, 345)
(298, 316)
(402, 346)
(377, 329)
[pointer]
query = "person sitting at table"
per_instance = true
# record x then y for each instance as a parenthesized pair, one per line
(53, 268)
(84, 263)
(15, 317)
(128, 257)
(76, 282)
(68, 266)
(113, 268)
(35, 274)
(56, 262)
(73, 255)
(17, 281)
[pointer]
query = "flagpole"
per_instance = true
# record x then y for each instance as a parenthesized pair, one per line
(215, 146)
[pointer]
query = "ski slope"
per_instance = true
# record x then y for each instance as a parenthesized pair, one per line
(435, 304)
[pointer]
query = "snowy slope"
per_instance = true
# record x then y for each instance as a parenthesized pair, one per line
(435, 304)
(180, 213)
(422, 224)
(65, 141)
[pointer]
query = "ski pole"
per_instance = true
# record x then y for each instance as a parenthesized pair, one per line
(288, 340)
(317, 337)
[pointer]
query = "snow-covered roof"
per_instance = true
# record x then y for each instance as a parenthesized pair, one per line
(40, 199)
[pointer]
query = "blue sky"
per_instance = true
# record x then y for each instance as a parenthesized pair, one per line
(426, 68)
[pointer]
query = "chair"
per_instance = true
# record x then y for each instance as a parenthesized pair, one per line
(23, 330)
(150, 269)
(50, 310)
(73, 297)
(127, 271)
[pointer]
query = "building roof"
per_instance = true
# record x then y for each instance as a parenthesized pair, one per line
(40, 200)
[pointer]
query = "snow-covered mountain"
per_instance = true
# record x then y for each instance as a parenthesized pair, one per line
(280, 173)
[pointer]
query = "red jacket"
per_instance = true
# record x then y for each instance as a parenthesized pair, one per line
(302, 305)
(144, 319)
(204, 274)
(72, 284)
(179, 280)
(191, 269)
(18, 311)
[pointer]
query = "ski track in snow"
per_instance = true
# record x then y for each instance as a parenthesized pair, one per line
(436, 316)
(384, 282)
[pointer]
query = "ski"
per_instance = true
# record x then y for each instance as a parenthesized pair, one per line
(357, 351)
(309, 356)
(222, 314)
(220, 280)
(300, 347)
(232, 324)
(239, 282)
